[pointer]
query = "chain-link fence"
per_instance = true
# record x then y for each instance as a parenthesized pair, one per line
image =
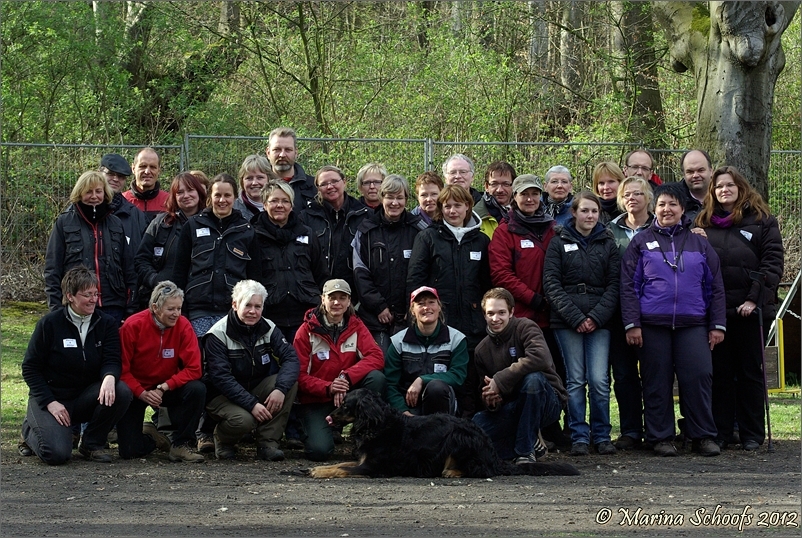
(37, 179)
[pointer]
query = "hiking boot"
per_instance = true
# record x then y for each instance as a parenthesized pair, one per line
(161, 440)
(580, 449)
(184, 453)
(100, 455)
(708, 447)
(112, 436)
(665, 449)
(205, 443)
(269, 453)
(606, 448)
(293, 443)
(222, 451)
(540, 450)
(625, 442)
(750, 446)
(24, 450)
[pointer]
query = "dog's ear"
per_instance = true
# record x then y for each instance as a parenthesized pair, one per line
(369, 411)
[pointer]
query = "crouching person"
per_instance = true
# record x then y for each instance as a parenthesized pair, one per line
(521, 390)
(162, 367)
(251, 375)
(72, 368)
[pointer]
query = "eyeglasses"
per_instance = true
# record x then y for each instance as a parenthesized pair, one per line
(639, 167)
(455, 173)
(167, 290)
(89, 295)
(628, 195)
(278, 202)
(329, 183)
(502, 185)
(371, 183)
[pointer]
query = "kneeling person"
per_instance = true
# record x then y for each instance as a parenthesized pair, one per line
(251, 376)
(427, 363)
(521, 390)
(162, 367)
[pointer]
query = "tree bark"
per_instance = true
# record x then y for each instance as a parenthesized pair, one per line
(735, 53)
(569, 47)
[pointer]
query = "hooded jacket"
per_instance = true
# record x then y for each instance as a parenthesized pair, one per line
(382, 250)
(671, 277)
(354, 354)
(581, 276)
(101, 246)
(458, 270)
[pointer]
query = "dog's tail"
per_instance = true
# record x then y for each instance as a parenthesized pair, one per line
(540, 469)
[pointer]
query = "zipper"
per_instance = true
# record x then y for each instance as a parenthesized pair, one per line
(676, 290)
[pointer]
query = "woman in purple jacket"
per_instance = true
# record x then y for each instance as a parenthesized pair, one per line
(673, 308)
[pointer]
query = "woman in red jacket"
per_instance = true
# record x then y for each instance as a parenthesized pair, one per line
(337, 354)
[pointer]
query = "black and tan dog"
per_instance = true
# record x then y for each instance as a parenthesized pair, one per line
(388, 443)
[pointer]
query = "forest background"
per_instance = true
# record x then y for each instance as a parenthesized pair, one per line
(109, 73)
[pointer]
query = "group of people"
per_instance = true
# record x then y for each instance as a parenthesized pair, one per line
(249, 308)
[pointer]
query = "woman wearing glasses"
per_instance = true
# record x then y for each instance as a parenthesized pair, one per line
(634, 196)
(334, 217)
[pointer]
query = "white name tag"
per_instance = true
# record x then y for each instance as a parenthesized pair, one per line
(202, 232)
(266, 358)
(323, 355)
(570, 247)
(407, 254)
(476, 256)
(158, 251)
(302, 239)
(747, 235)
(527, 243)
(70, 342)
(651, 245)
(168, 354)
(440, 368)
(127, 240)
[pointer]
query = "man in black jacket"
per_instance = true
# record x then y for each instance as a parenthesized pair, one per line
(282, 150)
(117, 170)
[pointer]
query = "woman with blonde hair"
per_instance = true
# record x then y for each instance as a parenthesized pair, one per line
(606, 178)
(254, 173)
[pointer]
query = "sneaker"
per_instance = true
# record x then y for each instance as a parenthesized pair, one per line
(605, 448)
(184, 453)
(100, 455)
(540, 450)
(665, 449)
(625, 442)
(580, 449)
(529, 458)
(750, 445)
(76, 440)
(24, 450)
(161, 440)
(223, 452)
(205, 443)
(708, 447)
(269, 453)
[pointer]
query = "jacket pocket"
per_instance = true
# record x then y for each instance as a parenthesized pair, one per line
(73, 246)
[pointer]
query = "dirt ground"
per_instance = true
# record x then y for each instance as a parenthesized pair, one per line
(632, 493)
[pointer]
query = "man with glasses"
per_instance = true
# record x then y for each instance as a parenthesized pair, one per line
(282, 150)
(458, 170)
(558, 194)
(640, 163)
(495, 202)
(697, 169)
(116, 171)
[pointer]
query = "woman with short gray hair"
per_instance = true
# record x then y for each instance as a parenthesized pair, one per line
(382, 247)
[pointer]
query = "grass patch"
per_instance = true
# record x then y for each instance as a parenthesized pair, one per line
(19, 319)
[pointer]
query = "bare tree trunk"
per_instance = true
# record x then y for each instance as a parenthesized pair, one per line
(569, 46)
(735, 53)
(539, 39)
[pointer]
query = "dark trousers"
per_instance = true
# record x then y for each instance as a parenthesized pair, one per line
(738, 380)
(685, 352)
(626, 381)
(52, 442)
(185, 405)
(437, 397)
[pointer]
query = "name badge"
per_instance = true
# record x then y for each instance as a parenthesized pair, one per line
(476, 256)
(127, 240)
(440, 368)
(323, 355)
(158, 251)
(513, 352)
(70, 342)
(266, 358)
(303, 239)
(407, 254)
(746, 234)
(651, 245)
(168, 354)
(238, 252)
(570, 247)
(202, 232)
(527, 243)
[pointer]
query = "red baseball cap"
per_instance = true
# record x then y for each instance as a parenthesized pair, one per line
(423, 289)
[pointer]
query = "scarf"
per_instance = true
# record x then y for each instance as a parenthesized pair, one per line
(723, 220)
(255, 207)
(282, 235)
(145, 195)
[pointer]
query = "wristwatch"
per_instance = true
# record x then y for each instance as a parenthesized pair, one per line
(164, 387)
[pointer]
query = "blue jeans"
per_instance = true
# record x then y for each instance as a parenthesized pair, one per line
(586, 364)
(513, 427)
